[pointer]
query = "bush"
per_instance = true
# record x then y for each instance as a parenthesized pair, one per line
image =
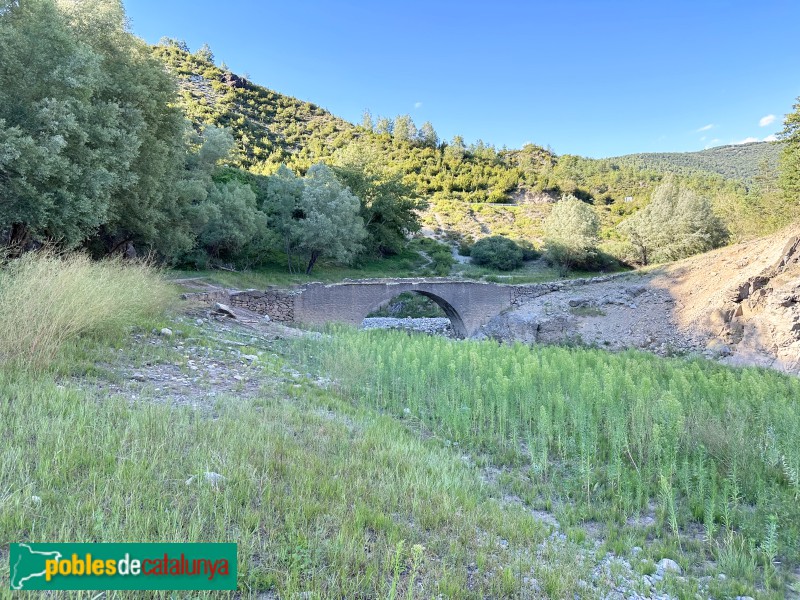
(440, 254)
(497, 252)
(677, 223)
(528, 251)
(571, 233)
(46, 301)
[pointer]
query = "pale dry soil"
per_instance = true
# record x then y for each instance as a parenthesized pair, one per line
(739, 304)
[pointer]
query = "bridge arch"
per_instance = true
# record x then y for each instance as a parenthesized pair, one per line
(459, 328)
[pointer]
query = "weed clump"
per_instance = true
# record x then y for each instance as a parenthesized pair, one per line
(47, 300)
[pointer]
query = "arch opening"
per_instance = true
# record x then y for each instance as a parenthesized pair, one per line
(417, 310)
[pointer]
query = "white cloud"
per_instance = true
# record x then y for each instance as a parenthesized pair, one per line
(764, 121)
(749, 140)
(705, 128)
(417, 104)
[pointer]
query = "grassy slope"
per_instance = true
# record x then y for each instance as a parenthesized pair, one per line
(321, 497)
(329, 494)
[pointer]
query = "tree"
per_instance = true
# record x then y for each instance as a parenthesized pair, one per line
(389, 207)
(328, 223)
(428, 136)
(283, 193)
(56, 181)
(456, 149)
(571, 233)
(790, 156)
(384, 125)
(205, 54)
(233, 220)
(677, 223)
(93, 148)
(497, 252)
(404, 129)
(366, 120)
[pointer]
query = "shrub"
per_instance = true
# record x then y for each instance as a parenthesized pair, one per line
(46, 301)
(571, 233)
(497, 252)
(677, 223)
(528, 251)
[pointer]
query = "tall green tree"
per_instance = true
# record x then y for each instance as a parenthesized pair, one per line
(571, 233)
(367, 121)
(384, 125)
(91, 142)
(428, 135)
(328, 223)
(389, 207)
(677, 223)
(281, 202)
(456, 149)
(233, 220)
(404, 129)
(790, 157)
(65, 149)
(205, 54)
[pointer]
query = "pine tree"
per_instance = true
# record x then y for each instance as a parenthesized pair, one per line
(790, 157)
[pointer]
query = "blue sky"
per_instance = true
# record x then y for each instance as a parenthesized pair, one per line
(590, 77)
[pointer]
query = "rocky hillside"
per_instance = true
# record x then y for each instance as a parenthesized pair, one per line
(739, 304)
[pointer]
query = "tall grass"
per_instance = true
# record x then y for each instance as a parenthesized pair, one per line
(48, 300)
(323, 501)
(609, 435)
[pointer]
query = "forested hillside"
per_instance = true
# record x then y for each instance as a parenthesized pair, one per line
(471, 191)
(104, 149)
(744, 162)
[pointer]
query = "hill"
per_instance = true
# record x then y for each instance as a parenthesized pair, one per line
(471, 190)
(742, 162)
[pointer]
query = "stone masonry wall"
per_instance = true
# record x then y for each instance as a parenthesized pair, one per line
(278, 304)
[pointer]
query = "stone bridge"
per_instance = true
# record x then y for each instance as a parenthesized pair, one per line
(468, 304)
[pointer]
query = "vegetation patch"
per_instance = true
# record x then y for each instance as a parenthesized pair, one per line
(695, 445)
(47, 301)
(498, 253)
(587, 311)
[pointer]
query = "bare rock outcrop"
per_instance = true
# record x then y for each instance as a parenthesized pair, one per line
(760, 320)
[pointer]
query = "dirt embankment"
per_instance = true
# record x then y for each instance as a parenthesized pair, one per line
(739, 304)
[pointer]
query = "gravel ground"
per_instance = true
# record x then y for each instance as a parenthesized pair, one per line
(431, 325)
